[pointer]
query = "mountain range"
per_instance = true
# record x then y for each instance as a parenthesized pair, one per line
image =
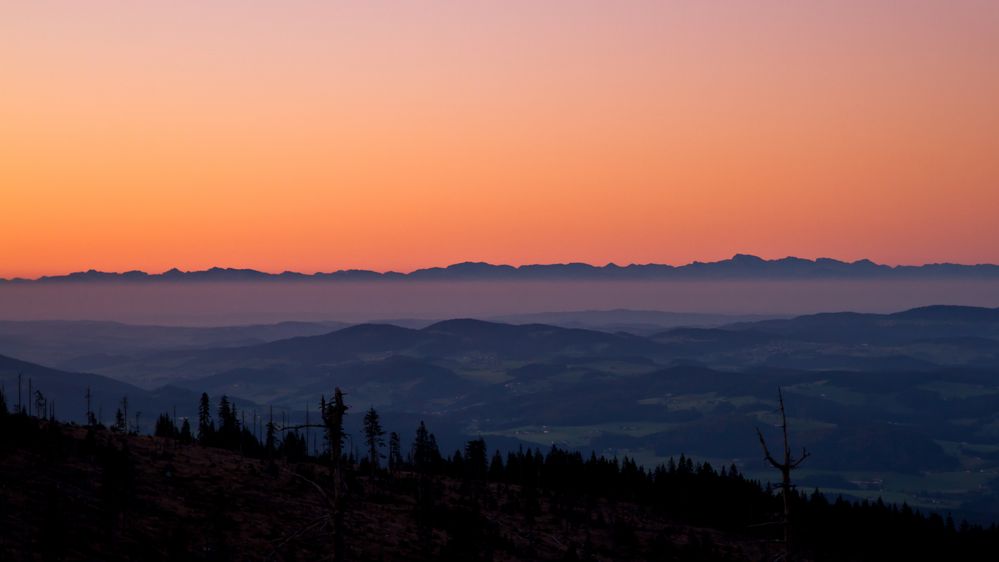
(740, 266)
(900, 405)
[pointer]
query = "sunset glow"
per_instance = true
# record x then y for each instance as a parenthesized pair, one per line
(315, 136)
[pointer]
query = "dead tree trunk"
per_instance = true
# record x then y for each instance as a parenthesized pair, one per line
(332, 417)
(785, 466)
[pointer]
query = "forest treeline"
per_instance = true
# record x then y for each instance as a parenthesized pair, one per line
(554, 482)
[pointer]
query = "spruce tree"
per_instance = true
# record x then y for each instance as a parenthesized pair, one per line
(269, 442)
(206, 427)
(228, 432)
(496, 470)
(91, 417)
(333, 414)
(119, 421)
(165, 427)
(476, 459)
(41, 404)
(185, 432)
(421, 448)
(395, 452)
(373, 436)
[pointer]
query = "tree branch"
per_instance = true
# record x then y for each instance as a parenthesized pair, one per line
(296, 427)
(804, 455)
(766, 452)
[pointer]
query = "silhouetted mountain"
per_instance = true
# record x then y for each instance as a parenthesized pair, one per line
(918, 324)
(532, 340)
(68, 392)
(640, 322)
(954, 314)
(459, 340)
(710, 339)
(740, 266)
(82, 345)
(344, 343)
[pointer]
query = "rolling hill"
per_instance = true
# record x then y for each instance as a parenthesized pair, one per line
(908, 400)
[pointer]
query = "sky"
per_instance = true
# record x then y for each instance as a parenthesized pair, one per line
(315, 136)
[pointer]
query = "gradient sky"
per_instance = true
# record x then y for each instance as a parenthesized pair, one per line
(395, 135)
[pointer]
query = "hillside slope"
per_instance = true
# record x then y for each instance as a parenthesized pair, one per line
(70, 494)
(73, 493)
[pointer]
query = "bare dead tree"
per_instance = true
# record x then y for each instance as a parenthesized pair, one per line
(785, 466)
(318, 523)
(332, 417)
(124, 409)
(90, 412)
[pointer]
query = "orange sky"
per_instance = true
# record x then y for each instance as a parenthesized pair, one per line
(395, 135)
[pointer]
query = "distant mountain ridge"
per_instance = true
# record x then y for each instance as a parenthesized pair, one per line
(740, 266)
(67, 391)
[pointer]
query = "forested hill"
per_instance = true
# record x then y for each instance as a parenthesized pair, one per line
(215, 492)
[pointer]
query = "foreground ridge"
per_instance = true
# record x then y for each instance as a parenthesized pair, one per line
(223, 494)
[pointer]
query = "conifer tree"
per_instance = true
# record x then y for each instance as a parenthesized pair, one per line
(206, 427)
(185, 432)
(269, 442)
(496, 467)
(119, 422)
(373, 436)
(475, 459)
(165, 427)
(421, 448)
(333, 414)
(227, 433)
(41, 404)
(395, 452)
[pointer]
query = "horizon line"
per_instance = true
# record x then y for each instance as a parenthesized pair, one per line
(744, 258)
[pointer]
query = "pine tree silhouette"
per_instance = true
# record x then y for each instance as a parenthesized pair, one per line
(373, 433)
